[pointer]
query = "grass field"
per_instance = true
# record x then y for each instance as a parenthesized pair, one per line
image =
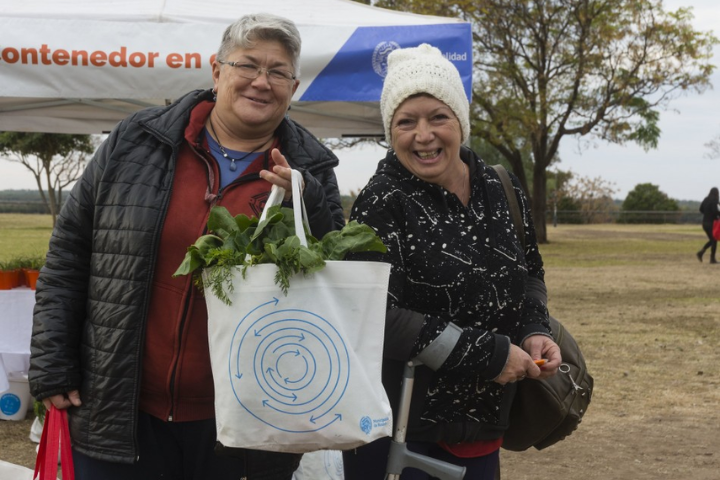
(23, 235)
(647, 316)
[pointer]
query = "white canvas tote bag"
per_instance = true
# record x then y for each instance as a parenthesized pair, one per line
(301, 372)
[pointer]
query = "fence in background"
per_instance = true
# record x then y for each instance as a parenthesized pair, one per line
(619, 216)
(553, 218)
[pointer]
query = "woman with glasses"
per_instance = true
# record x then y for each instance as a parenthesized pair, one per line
(117, 340)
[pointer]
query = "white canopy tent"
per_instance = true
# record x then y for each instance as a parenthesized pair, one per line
(80, 66)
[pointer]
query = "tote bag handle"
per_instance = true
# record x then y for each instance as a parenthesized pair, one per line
(277, 194)
(55, 436)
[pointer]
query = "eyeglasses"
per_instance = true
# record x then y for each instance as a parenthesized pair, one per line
(252, 71)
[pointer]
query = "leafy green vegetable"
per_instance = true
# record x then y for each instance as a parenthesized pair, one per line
(245, 241)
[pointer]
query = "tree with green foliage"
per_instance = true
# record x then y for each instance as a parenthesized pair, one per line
(547, 69)
(56, 160)
(569, 211)
(646, 197)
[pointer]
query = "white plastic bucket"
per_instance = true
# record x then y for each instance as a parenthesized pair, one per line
(15, 402)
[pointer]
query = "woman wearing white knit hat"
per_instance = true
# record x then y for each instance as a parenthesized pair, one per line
(457, 300)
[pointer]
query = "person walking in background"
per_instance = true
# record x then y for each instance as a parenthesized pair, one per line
(117, 339)
(710, 208)
(463, 295)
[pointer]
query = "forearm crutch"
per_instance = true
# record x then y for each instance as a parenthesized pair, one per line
(400, 457)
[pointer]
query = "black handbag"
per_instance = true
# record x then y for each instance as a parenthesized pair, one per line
(545, 411)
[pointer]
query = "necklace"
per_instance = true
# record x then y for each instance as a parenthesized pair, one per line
(233, 167)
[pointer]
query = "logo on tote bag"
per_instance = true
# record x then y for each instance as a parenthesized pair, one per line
(366, 425)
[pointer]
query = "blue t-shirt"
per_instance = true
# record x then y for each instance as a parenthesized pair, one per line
(225, 165)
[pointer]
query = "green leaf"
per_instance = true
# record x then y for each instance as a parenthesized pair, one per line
(353, 238)
(217, 279)
(207, 242)
(221, 222)
(278, 232)
(273, 216)
(229, 242)
(244, 222)
(197, 254)
(192, 261)
(310, 260)
(271, 251)
(242, 241)
(288, 248)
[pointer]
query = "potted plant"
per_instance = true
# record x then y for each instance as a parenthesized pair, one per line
(10, 274)
(31, 269)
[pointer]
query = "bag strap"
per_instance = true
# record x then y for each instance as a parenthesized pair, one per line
(534, 287)
(277, 194)
(55, 437)
(512, 201)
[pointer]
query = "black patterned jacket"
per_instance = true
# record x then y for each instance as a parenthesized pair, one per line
(452, 263)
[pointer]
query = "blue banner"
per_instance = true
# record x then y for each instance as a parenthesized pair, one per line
(357, 71)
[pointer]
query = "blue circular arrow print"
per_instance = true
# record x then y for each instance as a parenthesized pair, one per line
(292, 367)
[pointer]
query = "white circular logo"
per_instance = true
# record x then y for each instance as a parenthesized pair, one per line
(380, 54)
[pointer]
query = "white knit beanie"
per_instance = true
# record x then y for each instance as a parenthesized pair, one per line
(423, 69)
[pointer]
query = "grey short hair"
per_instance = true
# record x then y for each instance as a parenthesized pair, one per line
(257, 27)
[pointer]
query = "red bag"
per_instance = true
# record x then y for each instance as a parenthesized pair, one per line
(716, 229)
(55, 436)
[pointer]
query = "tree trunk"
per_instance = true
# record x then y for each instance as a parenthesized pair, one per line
(516, 164)
(51, 194)
(539, 201)
(40, 188)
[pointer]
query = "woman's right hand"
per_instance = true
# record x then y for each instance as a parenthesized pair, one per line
(519, 365)
(62, 401)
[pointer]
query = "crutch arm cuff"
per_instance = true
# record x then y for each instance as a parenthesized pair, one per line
(435, 354)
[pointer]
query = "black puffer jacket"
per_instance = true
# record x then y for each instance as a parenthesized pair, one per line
(452, 263)
(93, 294)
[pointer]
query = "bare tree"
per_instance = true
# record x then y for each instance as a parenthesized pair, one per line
(593, 196)
(55, 160)
(714, 146)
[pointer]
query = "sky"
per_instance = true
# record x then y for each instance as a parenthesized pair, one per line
(678, 166)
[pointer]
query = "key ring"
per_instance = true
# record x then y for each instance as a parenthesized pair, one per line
(565, 368)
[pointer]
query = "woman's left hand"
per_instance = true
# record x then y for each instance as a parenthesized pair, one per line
(542, 346)
(281, 174)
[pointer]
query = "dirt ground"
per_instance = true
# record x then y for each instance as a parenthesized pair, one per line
(15, 444)
(647, 316)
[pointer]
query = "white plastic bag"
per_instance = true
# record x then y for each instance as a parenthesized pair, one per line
(322, 465)
(36, 430)
(301, 372)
